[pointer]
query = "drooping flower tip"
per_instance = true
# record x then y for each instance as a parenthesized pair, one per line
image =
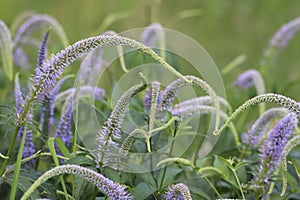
(178, 192)
(285, 33)
(246, 79)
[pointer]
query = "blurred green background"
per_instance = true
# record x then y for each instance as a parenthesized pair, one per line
(225, 28)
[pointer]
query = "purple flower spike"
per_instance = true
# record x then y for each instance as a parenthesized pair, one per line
(178, 192)
(64, 129)
(285, 34)
(272, 149)
(255, 134)
(251, 78)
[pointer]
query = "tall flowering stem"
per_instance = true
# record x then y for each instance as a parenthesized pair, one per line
(281, 100)
(111, 130)
(272, 150)
(113, 190)
(54, 66)
(155, 91)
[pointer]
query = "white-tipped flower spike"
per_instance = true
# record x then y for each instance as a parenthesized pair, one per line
(110, 133)
(285, 34)
(251, 78)
(254, 136)
(35, 22)
(281, 100)
(6, 50)
(178, 191)
(113, 191)
(173, 89)
(55, 65)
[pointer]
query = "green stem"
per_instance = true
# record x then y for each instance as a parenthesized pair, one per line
(9, 152)
(238, 182)
(17, 170)
(213, 187)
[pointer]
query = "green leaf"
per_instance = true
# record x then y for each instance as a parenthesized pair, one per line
(143, 190)
(82, 161)
(137, 169)
(55, 158)
(199, 193)
(225, 166)
(290, 179)
(61, 146)
(296, 166)
(80, 184)
(23, 184)
(169, 177)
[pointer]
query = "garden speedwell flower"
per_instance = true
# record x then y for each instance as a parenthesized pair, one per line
(272, 149)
